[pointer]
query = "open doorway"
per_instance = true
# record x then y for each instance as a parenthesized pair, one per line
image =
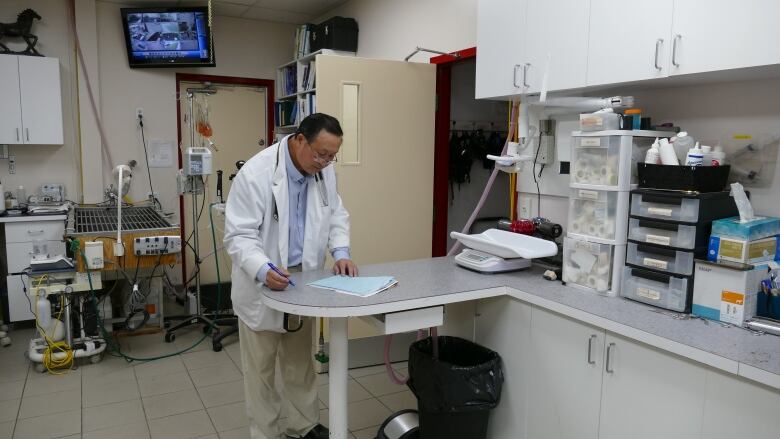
(466, 128)
(240, 116)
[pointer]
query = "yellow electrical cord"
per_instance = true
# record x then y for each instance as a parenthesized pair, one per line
(52, 364)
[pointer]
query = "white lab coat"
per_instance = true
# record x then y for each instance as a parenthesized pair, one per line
(253, 237)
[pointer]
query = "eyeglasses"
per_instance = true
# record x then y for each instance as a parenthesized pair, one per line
(322, 159)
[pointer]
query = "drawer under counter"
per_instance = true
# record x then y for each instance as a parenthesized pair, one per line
(29, 231)
(18, 254)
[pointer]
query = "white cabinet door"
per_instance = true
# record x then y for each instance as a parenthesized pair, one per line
(566, 368)
(503, 324)
(500, 57)
(739, 408)
(18, 305)
(630, 41)
(557, 29)
(39, 83)
(724, 35)
(649, 394)
(10, 107)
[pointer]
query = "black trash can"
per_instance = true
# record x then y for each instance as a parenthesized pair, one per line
(456, 390)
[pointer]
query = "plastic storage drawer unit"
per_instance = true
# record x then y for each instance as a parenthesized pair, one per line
(660, 258)
(607, 160)
(685, 208)
(667, 234)
(587, 264)
(593, 214)
(657, 289)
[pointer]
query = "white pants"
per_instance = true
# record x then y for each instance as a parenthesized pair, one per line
(259, 352)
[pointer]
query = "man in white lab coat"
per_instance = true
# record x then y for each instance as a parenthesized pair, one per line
(284, 212)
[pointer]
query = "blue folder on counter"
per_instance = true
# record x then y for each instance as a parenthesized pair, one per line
(356, 286)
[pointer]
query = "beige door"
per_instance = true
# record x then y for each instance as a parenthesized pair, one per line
(385, 167)
(237, 115)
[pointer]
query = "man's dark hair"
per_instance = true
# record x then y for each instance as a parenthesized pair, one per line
(311, 126)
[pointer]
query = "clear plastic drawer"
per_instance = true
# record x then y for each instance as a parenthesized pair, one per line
(596, 160)
(665, 207)
(659, 233)
(660, 258)
(588, 264)
(657, 289)
(593, 214)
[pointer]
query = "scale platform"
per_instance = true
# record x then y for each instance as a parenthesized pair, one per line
(499, 251)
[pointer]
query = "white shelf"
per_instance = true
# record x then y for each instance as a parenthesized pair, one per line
(634, 133)
(292, 96)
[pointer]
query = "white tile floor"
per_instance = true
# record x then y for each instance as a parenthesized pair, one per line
(198, 394)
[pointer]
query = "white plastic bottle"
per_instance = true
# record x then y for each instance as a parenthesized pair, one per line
(718, 156)
(653, 155)
(43, 308)
(695, 156)
(668, 156)
(682, 143)
(706, 155)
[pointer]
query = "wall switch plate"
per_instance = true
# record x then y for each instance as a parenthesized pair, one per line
(12, 164)
(525, 207)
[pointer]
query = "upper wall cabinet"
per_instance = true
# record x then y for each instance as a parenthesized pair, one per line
(556, 43)
(628, 41)
(30, 101)
(721, 35)
(500, 48)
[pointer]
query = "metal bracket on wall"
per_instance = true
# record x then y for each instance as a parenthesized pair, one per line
(419, 49)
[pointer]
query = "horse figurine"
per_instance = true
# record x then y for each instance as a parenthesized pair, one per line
(21, 29)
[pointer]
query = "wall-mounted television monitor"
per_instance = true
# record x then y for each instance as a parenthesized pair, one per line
(168, 37)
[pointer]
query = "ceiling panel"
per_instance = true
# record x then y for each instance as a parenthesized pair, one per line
(229, 9)
(266, 14)
(310, 7)
(235, 2)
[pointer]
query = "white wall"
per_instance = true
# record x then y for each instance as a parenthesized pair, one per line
(243, 48)
(710, 112)
(391, 29)
(36, 164)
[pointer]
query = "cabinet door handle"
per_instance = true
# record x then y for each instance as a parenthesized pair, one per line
(674, 50)
(35, 232)
(590, 348)
(27, 133)
(514, 76)
(658, 43)
(525, 74)
(17, 134)
(609, 355)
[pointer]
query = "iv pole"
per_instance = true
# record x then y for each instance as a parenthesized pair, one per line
(195, 186)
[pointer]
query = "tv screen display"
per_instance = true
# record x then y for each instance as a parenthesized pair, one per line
(168, 37)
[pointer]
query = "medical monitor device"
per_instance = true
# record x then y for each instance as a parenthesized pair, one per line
(197, 161)
(168, 37)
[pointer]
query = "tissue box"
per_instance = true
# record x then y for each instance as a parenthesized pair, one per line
(749, 231)
(726, 248)
(725, 291)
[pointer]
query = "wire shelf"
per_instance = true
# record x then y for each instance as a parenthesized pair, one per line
(89, 220)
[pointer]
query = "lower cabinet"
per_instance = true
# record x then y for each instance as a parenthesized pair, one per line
(503, 324)
(564, 389)
(647, 393)
(568, 379)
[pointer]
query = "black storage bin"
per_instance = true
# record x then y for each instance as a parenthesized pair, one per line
(337, 33)
(683, 178)
(456, 390)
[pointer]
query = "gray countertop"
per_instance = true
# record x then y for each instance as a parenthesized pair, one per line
(427, 278)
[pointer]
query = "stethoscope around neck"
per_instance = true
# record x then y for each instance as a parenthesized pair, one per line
(318, 179)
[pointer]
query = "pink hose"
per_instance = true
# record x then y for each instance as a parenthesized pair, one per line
(489, 185)
(391, 373)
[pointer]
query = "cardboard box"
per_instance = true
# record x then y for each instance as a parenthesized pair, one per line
(727, 291)
(727, 248)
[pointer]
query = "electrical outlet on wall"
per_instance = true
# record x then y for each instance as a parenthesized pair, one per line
(525, 207)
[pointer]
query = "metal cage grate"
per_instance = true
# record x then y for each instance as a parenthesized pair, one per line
(103, 219)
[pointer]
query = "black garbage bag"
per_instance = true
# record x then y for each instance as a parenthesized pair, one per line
(465, 377)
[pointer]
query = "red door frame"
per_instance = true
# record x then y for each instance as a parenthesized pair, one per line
(267, 83)
(441, 158)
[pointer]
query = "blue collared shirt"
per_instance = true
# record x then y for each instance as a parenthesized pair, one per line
(297, 189)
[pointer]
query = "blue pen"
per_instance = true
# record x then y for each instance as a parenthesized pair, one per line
(279, 272)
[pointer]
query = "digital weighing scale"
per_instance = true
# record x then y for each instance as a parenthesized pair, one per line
(499, 251)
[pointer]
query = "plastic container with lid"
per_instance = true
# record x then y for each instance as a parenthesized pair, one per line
(636, 117)
(682, 142)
